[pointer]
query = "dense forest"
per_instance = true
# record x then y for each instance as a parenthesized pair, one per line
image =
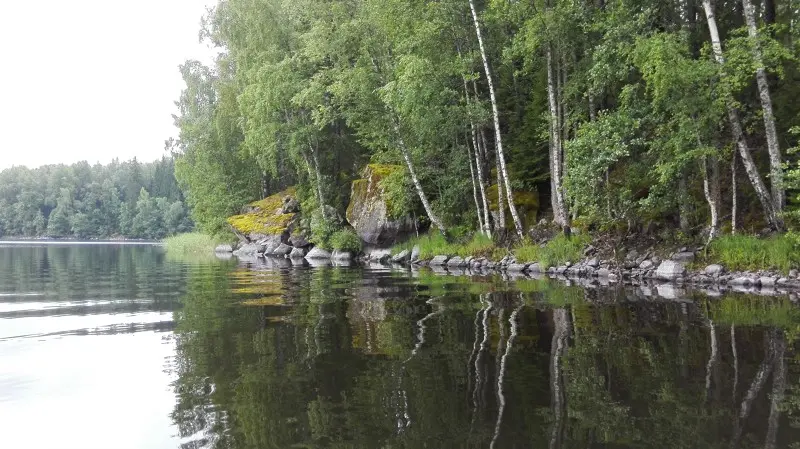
(121, 199)
(675, 117)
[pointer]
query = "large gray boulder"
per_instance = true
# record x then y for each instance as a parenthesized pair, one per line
(368, 211)
(670, 270)
(318, 253)
(714, 270)
(456, 262)
(297, 253)
(439, 261)
(249, 249)
(282, 250)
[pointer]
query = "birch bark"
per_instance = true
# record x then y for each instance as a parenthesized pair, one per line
(496, 116)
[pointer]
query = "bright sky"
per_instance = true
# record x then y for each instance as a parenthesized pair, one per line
(92, 79)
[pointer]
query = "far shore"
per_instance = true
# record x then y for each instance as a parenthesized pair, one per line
(73, 241)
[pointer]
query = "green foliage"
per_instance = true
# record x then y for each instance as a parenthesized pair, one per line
(555, 252)
(742, 252)
(436, 244)
(321, 231)
(346, 240)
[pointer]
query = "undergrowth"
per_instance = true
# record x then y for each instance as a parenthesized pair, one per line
(749, 253)
(555, 252)
(435, 244)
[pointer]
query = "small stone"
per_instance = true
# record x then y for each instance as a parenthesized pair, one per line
(793, 274)
(297, 253)
(783, 281)
(318, 253)
(714, 270)
(401, 257)
(670, 269)
(342, 256)
(439, 261)
(594, 263)
(385, 259)
(455, 262)
(743, 281)
(603, 273)
(568, 264)
(646, 265)
(223, 249)
(517, 267)
(415, 253)
(282, 250)
(768, 281)
(534, 268)
(683, 256)
(561, 270)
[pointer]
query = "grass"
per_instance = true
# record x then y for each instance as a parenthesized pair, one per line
(748, 253)
(555, 252)
(435, 244)
(756, 311)
(191, 243)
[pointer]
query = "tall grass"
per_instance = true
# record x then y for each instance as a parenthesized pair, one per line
(743, 252)
(555, 252)
(435, 244)
(192, 243)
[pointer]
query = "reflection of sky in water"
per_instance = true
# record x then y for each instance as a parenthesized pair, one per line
(87, 392)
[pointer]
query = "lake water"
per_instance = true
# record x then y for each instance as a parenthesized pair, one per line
(120, 346)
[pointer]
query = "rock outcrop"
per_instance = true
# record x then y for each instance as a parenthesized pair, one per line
(269, 221)
(369, 210)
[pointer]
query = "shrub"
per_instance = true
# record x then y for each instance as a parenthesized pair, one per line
(744, 252)
(346, 240)
(322, 231)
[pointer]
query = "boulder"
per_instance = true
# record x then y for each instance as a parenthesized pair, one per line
(535, 268)
(594, 263)
(282, 250)
(297, 253)
(742, 281)
(223, 249)
(368, 211)
(714, 270)
(646, 265)
(670, 270)
(438, 261)
(401, 257)
(318, 253)
(768, 281)
(299, 240)
(377, 254)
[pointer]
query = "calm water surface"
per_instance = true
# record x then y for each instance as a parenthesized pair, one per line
(119, 346)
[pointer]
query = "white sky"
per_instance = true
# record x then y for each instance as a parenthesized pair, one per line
(92, 79)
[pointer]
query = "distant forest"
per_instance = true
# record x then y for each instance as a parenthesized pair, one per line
(122, 199)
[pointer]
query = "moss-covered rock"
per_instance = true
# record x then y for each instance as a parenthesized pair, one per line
(527, 205)
(368, 211)
(272, 216)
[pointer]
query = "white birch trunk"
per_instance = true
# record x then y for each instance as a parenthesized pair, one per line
(556, 165)
(496, 116)
(775, 159)
(413, 173)
(734, 196)
(487, 225)
(481, 227)
(738, 135)
(501, 196)
(711, 190)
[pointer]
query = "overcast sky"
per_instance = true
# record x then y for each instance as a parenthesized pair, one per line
(92, 79)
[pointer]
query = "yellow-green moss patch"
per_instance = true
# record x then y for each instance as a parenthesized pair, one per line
(265, 216)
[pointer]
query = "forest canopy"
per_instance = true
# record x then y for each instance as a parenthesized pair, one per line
(669, 116)
(121, 199)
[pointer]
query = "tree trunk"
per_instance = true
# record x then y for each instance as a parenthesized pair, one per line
(738, 135)
(556, 184)
(775, 160)
(496, 116)
(413, 173)
(501, 196)
(683, 204)
(481, 227)
(711, 190)
(768, 7)
(487, 226)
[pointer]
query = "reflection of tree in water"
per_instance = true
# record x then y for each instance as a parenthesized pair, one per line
(346, 358)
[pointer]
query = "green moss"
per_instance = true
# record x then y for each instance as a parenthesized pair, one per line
(264, 217)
